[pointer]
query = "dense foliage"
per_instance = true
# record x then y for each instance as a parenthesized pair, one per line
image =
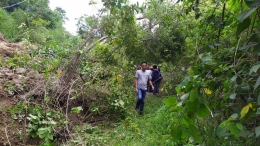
(208, 52)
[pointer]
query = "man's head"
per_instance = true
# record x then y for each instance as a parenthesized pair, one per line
(151, 67)
(143, 66)
(155, 67)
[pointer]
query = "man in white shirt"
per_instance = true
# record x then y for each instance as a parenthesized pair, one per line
(141, 78)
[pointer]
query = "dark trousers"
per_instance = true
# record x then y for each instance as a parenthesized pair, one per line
(140, 100)
(155, 85)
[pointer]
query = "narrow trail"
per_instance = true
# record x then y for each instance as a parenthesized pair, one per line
(146, 130)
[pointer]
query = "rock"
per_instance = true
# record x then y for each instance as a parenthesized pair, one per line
(20, 70)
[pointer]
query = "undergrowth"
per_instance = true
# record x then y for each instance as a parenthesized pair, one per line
(149, 129)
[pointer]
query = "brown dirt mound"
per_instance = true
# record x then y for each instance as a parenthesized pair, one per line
(18, 84)
(14, 86)
(10, 49)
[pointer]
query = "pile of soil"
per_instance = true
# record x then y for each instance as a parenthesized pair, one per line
(15, 85)
(10, 49)
(23, 84)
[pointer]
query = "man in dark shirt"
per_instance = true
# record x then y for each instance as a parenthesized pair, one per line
(155, 79)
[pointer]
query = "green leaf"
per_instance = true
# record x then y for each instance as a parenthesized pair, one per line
(77, 109)
(233, 129)
(257, 49)
(252, 4)
(221, 132)
(257, 83)
(202, 110)
(188, 87)
(184, 97)
(233, 96)
(253, 38)
(184, 81)
(212, 84)
(244, 133)
(193, 95)
(258, 99)
(170, 101)
(257, 131)
(258, 111)
(242, 26)
(226, 84)
(233, 79)
(194, 132)
(239, 126)
(245, 14)
(205, 58)
(176, 133)
(178, 89)
(187, 120)
(53, 122)
(234, 116)
(243, 89)
(255, 67)
(185, 134)
(191, 105)
(48, 143)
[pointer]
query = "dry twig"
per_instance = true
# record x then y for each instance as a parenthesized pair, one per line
(7, 135)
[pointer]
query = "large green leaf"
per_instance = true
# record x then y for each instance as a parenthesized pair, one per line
(243, 25)
(252, 4)
(257, 131)
(245, 14)
(258, 100)
(244, 133)
(189, 119)
(194, 132)
(258, 111)
(253, 38)
(191, 105)
(233, 96)
(178, 89)
(243, 89)
(239, 126)
(257, 83)
(170, 101)
(257, 49)
(193, 95)
(205, 58)
(221, 132)
(184, 97)
(202, 110)
(255, 67)
(233, 129)
(176, 133)
(188, 87)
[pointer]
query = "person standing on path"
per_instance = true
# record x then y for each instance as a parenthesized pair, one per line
(149, 87)
(141, 78)
(156, 78)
